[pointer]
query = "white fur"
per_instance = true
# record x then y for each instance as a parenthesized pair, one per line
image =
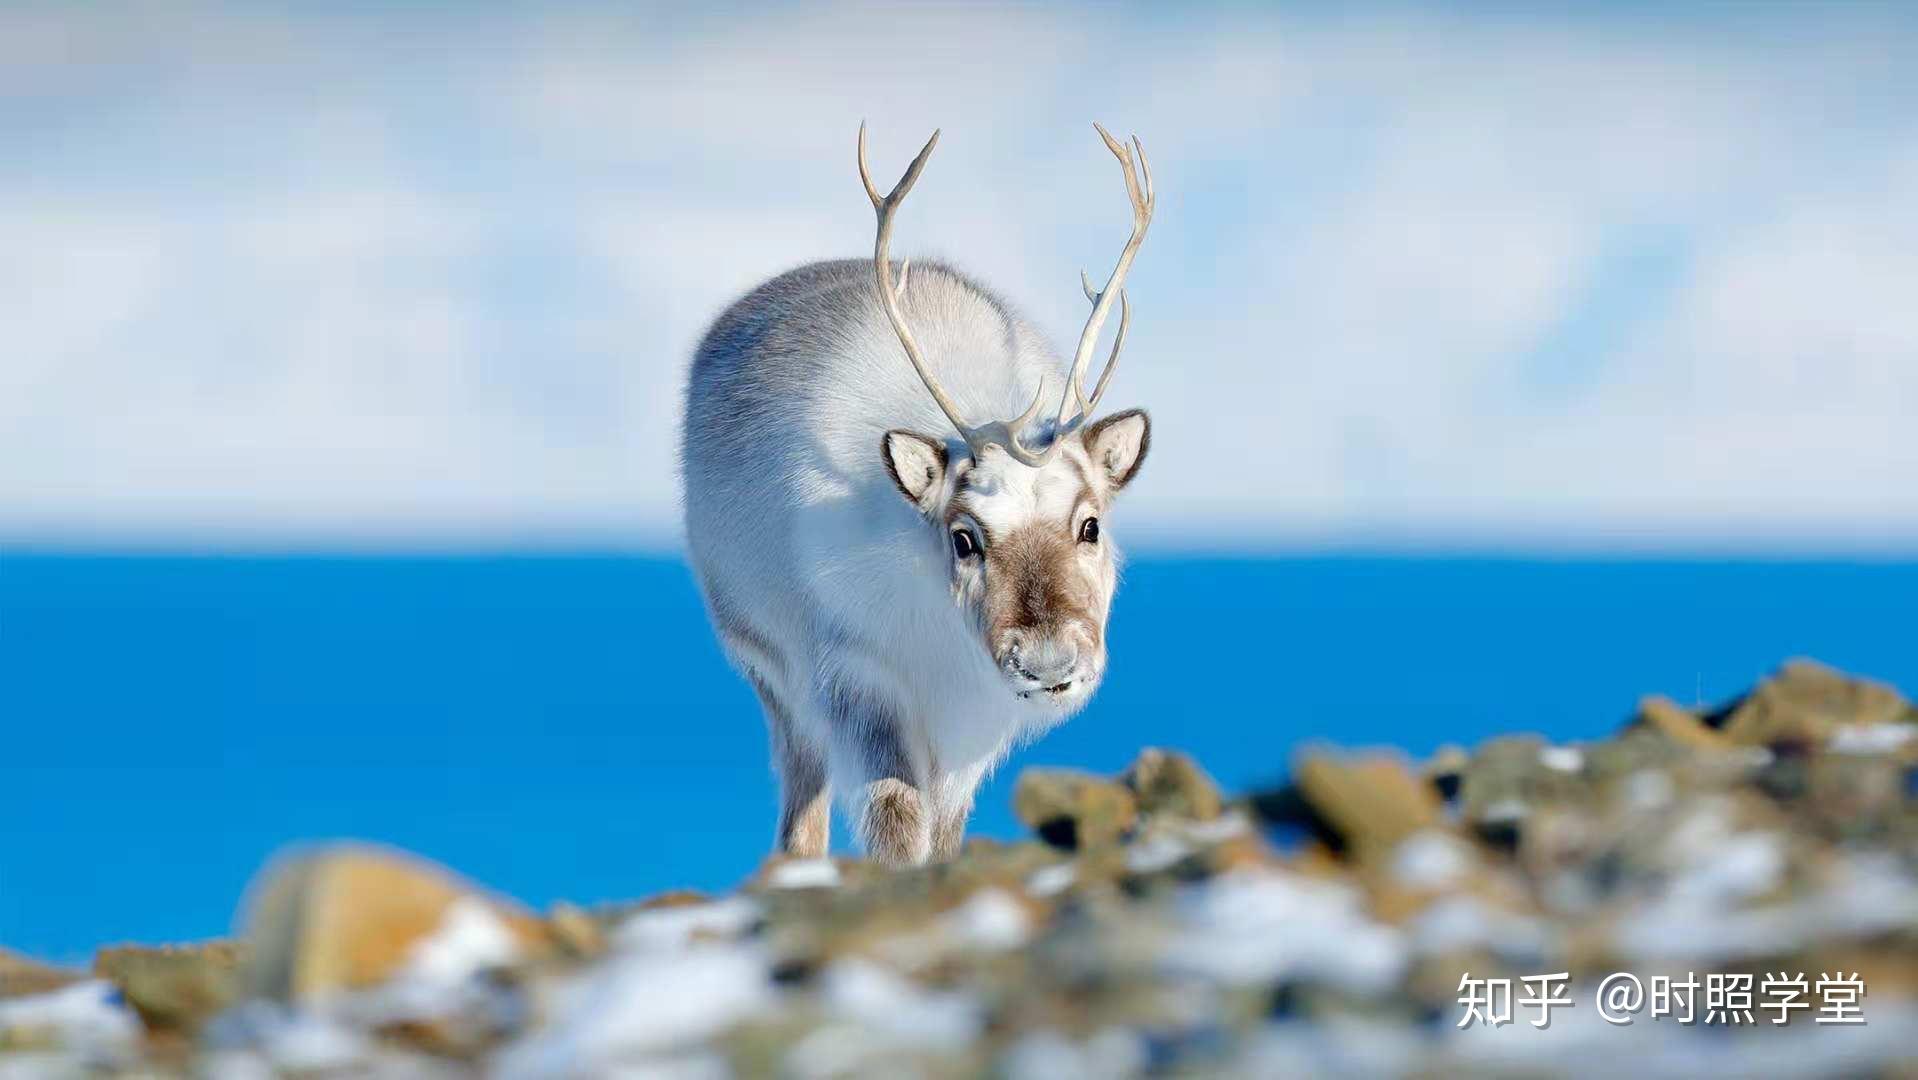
(796, 528)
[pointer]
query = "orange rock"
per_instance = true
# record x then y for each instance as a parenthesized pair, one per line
(352, 916)
(1682, 726)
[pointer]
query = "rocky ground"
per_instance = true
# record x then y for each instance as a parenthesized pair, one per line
(1345, 924)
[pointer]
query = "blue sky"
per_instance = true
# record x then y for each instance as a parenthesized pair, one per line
(318, 277)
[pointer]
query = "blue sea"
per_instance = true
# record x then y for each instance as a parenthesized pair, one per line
(564, 727)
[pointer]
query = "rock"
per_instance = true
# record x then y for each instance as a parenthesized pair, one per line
(1369, 802)
(1805, 701)
(1071, 809)
(353, 916)
(175, 988)
(1169, 782)
(20, 976)
(1663, 715)
(1507, 779)
(576, 933)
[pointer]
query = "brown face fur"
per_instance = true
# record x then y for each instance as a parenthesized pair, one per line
(1034, 586)
(1035, 579)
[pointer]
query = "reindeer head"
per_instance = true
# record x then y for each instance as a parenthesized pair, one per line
(1022, 522)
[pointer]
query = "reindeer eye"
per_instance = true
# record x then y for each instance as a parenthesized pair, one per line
(964, 544)
(1089, 532)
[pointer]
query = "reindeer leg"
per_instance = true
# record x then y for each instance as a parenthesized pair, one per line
(892, 815)
(805, 803)
(955, 808)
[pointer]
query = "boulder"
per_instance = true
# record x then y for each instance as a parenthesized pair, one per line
(1072, 809)
(175, 988)
(354, 916)
(1369, 802)
(1806, 702)
(1169, 782)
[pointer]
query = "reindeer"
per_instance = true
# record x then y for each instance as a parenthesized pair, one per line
(910, 587)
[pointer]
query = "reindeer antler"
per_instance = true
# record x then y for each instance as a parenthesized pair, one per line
(1138, 185)
(1005, 433)
(1001, 432)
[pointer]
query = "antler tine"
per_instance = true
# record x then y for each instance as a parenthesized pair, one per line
(1112, 361)
(899, 190)
(1143, 199)
(885, 207)
(1145, 173)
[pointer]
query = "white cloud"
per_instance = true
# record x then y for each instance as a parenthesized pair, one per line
(328, 278)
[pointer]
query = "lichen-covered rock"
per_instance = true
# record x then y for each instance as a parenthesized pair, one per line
(1805, 701)
(1072, 809)
(1510, 779)
(175, 988)
(1169, 782)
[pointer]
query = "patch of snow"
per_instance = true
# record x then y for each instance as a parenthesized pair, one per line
(1155, 853)
(87, 1014)
(1504, 811)
(1696, 836)
(886, 1003)
(1052, 880)
(1565, 759)
(1697, 917)
(289, 1040)
(990, 919)
(1740, 866)
(442, 974)
(230, 1065)
(1224, 827)
(1871, 738)
(1458, 923)
(1431, 859)
(1649, 789)
(830, 1051)
(804, 874)
(642, 1004)
(670, 928)
(1255, 926)
(471, 938)
(1050, 1055)
(1868, 894)
(698, 1066)
(1863, 896)
(309, 1043)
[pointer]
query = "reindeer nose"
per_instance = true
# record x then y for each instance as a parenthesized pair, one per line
(1048, 663)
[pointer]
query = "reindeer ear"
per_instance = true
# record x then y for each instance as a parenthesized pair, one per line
(1118, 444)
(917, 464)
